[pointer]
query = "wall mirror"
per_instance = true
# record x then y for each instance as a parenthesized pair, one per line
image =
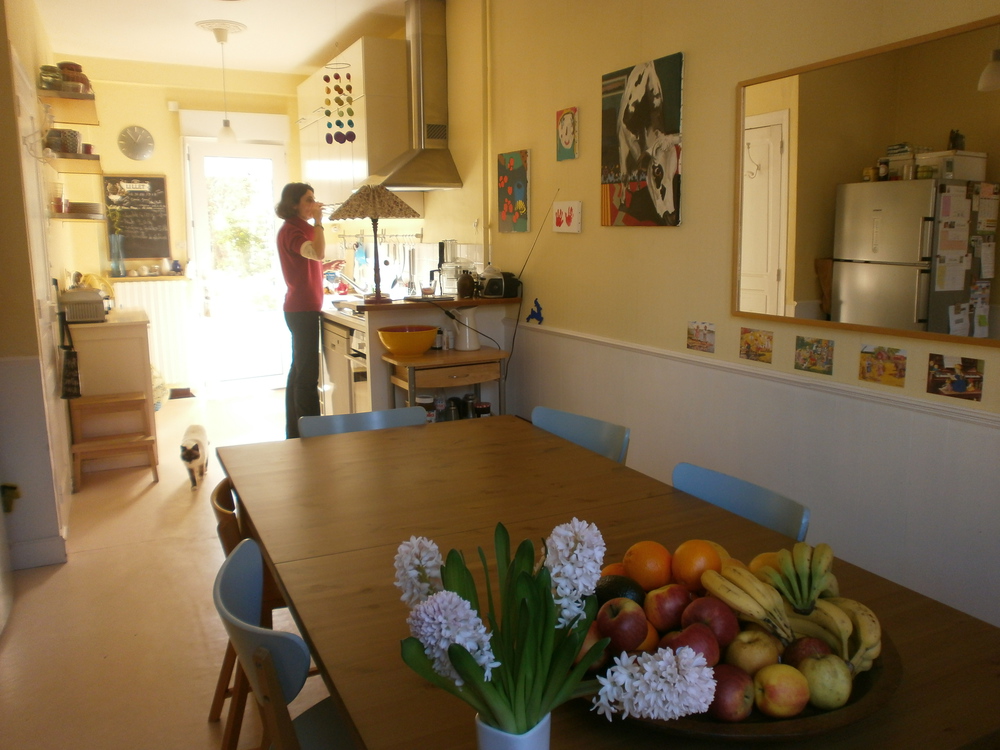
(803, 133)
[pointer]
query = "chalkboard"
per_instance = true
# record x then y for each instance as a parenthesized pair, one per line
(137, 208)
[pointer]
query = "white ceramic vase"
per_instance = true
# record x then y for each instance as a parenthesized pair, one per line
(536, 738)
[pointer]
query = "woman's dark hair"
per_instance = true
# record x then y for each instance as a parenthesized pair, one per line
(291, 194)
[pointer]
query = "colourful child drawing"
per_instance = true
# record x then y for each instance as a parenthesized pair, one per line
(566, 134)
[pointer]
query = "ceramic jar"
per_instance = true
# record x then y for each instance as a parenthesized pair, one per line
(536, 738)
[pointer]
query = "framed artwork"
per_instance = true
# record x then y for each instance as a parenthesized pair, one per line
(701, 336)
(567, 134)
(641, 144)
(136, 208)
(882, 364)
(756, 345)
(567, 216)
(512, 191)
(814, 355)
(957, 377)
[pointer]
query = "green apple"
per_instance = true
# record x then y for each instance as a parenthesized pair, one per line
(829, 680)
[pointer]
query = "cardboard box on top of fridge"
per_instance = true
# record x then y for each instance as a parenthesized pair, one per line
(955, 165)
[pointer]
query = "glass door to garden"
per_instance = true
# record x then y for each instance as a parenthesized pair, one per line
(233, 189)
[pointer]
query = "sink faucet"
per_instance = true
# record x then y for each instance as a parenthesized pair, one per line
(359, 288)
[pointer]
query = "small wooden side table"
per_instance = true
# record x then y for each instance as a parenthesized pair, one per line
(446, 369)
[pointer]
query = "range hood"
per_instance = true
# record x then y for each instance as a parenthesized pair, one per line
(428, 164)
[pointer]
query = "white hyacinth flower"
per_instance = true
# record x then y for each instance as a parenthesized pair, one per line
(665, 685)
(574, 555)
(446, 618)
(418, 569)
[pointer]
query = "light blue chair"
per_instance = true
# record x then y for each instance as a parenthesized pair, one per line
(275, 662)
(333, 424)
(610, 440)
(743, 498)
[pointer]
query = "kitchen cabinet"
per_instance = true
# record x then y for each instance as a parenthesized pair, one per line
(364, 124)
(447, 369)
(337, 380)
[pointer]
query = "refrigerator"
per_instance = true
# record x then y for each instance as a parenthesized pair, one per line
(907, 252)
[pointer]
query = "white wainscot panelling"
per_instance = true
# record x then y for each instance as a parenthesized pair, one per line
(905, 488)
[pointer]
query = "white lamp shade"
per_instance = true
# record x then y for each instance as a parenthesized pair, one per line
(989, 79)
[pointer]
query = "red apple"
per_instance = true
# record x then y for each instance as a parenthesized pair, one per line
(804, 648)
(592, 637)
(751, 650)
(624, 622)
(699, 637)
(664, 606)
(780, 691)
(716, 614)
(734, 694)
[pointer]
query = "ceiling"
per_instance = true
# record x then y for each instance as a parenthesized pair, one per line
(296, 38)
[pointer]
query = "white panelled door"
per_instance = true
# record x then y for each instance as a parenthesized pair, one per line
(764, 223)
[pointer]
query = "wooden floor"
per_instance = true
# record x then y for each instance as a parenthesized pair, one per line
(120, 647)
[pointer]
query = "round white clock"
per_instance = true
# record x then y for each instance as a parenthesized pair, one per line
(136, 142)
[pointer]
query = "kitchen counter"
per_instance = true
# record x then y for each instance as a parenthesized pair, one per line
(494, 320)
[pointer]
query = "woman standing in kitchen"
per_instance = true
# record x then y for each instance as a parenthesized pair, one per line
(301, 249)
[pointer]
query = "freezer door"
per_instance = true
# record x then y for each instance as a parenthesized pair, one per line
(886, 222)
(880, 295)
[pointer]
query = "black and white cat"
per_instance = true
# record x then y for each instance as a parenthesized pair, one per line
(194, 453)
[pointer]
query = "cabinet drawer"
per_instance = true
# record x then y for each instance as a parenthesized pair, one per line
(444, 377)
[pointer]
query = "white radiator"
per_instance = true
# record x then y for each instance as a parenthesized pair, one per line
(169, 306)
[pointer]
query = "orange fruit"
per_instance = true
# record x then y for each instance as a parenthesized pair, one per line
(693, 558)
(651, 642)
(614, 569)
(764, 558)
(648, 563)
(723, 554)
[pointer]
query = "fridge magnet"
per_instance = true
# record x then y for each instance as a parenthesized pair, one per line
(641, 144)
(567, 216)
(883, 364)
(756, 345)
(814, 355)
(512, 191)
(701, 337)
(567, 134)
(958, 377)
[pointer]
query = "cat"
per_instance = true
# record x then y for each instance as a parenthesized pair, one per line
(194, 453)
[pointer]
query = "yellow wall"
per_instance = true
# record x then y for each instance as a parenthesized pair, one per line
(644, 284)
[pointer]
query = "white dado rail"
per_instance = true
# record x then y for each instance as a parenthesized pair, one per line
(904, 487)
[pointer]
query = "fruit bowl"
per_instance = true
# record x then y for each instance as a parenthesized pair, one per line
(407, 340)
(871, 690)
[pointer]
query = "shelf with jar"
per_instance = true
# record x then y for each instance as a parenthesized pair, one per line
(70, 107)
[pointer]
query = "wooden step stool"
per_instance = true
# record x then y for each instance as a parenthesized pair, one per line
(114, 444)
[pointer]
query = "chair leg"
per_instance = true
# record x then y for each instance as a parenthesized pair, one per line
(237, 704)
(222, 689)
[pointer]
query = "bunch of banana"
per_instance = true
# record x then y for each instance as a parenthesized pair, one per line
(806, 574)
(827, 622)
(865, 643)
(753, 599)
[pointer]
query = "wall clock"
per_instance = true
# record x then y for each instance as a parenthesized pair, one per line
(136, 142)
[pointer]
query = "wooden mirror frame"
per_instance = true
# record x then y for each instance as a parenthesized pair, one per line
(741, 166)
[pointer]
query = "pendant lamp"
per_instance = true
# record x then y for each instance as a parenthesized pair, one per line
(222, 29)
(989, 79)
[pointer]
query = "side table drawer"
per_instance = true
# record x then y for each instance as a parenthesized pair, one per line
(444, 377)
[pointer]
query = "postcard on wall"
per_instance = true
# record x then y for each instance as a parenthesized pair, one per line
(814, 355)
(641, 144)
(567, 134)
(883, 364)
(567, 216)
(756, 345)
(512, 191)
(958, 377)
(701, 337)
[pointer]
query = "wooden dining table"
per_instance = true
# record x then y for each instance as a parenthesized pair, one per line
(329, 513)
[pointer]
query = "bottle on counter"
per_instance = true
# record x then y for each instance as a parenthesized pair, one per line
(465, 286)
(483, 409)
(427, 401)
(438, 340)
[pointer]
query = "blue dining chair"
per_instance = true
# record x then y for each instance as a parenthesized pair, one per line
(743, 498)
(275, 662)
(610, 440)
(331, 424)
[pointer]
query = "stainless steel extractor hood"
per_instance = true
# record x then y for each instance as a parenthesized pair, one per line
(428, 164)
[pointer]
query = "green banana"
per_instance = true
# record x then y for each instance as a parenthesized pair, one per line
(821, 568)
(802, 560)
(787, 566)
(772, 577)
(832, 586)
